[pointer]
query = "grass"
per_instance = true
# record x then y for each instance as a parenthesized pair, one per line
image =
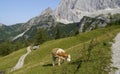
(7, 62)
(90, 53)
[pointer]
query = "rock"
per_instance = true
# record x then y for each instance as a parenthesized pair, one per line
(35, 47)
(90, 23)
(73, 10)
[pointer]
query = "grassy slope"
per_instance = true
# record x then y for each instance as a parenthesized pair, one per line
(9, 61)
(39, 61)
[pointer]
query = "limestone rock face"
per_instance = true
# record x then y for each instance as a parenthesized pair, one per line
(73, 10)
(91, 23)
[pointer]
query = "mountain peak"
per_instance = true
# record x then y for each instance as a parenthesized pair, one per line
(44, 16)
(1, 24)
(47, 11)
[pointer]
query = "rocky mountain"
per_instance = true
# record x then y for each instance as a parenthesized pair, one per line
(88, 23)
(91, 23)
(73, 10)
(45, 19)
(87, 12)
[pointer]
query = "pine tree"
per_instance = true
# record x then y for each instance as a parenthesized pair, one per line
(57, 35)
(41, 37)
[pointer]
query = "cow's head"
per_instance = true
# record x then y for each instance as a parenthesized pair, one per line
(69, 58)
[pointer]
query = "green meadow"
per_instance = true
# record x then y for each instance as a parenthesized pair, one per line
(90, 54)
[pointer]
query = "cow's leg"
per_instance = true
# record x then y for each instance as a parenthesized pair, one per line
(59, 61)
(53, 60)
(63, 61)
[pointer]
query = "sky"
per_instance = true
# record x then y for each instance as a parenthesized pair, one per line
(20, 11)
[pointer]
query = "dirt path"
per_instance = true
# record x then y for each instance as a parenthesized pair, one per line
(20, 62)
(116, 54)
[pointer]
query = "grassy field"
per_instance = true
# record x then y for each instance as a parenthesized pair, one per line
(90, 54)
(7, 62)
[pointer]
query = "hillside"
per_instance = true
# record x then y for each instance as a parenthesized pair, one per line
(90, 53)
(7, 32)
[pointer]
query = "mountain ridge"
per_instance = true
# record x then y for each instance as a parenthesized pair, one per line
(68, 11)
(74, 10)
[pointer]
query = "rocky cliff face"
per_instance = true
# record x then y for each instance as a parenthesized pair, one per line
(73, 10)
(91, 23)
(88, 23)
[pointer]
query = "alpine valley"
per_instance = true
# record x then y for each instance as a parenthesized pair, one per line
(84, 28)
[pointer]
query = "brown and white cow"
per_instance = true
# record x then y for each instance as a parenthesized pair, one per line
(60, 54)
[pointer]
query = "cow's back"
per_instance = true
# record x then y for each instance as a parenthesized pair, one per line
(56, 52)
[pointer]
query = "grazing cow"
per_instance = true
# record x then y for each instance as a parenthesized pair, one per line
(60, 54)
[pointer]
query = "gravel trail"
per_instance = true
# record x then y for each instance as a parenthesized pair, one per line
(116, 54)
(20, 62)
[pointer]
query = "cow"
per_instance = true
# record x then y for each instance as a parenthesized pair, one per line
(61, 55)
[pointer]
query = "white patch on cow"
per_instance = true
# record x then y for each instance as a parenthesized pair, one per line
(69, 58)
(60, 50)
